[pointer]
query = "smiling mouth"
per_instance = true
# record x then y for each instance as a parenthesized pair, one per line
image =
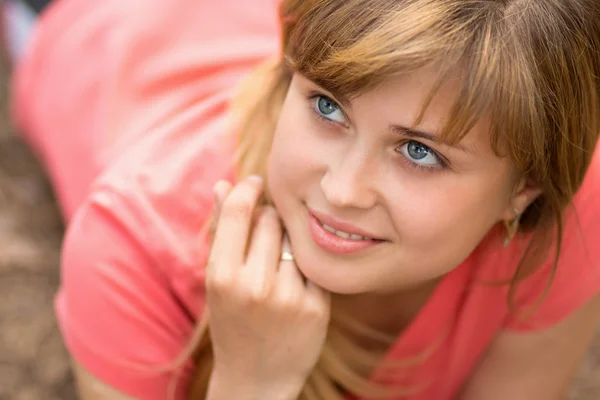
(335, 241)
(342, 234)
(342, 229)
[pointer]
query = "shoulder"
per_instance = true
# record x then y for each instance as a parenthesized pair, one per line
(159, 191)
(121, 58)
(554, 290)
(124, 67)
(133, 27)
(134, 253)
(585, 213)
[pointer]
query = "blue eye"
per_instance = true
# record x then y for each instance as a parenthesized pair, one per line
(419, 154)
(328, 109)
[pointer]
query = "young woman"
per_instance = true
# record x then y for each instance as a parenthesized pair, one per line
(322, 199)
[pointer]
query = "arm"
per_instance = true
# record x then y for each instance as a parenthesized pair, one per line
(117, 311)
(535, 366)
(91, 388)
(120, 316)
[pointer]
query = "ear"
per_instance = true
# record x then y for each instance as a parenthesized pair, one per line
(525, 193)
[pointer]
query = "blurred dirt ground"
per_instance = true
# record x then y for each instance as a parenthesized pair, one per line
(33, 362)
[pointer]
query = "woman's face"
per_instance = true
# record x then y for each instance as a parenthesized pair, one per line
(372, 203)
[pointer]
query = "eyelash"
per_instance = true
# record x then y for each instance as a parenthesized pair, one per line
(443, 163)
(311, 105)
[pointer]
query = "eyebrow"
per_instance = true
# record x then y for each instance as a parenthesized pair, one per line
(413, 133)
(337, 97)
(399, 129)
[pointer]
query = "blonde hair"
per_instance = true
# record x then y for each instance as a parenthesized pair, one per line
(533, 63)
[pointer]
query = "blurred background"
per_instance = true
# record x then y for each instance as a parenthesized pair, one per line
(33, 362)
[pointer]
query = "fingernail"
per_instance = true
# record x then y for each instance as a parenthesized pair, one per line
(218, 190)
(256, 179)
(215, 190)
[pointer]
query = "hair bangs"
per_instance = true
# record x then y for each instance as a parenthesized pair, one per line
(351, 47)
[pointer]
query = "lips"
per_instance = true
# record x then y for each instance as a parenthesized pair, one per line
(339, 237)
(344, 235)
(341, 226)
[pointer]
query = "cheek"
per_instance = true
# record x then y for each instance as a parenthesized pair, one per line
(452, 217)
(293, 161)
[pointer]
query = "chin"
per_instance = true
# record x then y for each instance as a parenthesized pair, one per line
(334, 279)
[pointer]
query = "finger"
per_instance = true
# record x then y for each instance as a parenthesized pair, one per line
(220, 190)
(233, 225)
(290, 277)
(265, 248)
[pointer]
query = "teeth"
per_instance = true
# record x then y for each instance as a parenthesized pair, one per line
(344, 235)
(329, 229)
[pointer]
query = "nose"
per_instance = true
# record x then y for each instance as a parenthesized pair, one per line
(350, 181)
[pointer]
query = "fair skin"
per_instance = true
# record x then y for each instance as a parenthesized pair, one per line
(355, 168)
(415, 195)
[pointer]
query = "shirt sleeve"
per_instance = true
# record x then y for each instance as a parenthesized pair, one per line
(117, 310)
(124, 68)
(577, 277)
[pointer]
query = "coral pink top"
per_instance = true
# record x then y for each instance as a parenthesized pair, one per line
(125, 101)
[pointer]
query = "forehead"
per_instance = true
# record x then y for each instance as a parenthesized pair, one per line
(420, 100)
(406, 95)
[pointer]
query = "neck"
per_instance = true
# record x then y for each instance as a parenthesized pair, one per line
(388, 313)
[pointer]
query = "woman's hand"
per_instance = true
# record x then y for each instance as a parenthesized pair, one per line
(267, 325)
